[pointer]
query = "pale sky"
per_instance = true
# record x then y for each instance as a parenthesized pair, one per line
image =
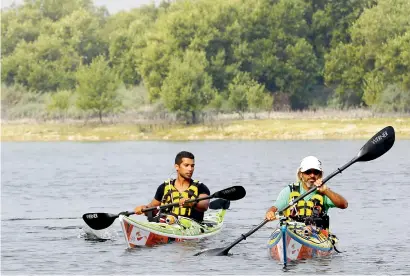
(113, 6)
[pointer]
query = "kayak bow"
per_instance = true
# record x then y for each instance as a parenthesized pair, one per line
(292, 241)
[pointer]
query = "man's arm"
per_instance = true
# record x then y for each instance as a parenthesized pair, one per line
(202, 205)
(338, 200)
(154, 202)
(281, 202)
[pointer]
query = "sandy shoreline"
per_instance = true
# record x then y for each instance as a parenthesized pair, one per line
(263, 129)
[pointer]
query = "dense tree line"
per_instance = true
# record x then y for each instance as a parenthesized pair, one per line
(197, 55)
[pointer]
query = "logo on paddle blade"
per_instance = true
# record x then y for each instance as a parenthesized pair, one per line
(380, 137)
(229, 191)
(91, 216)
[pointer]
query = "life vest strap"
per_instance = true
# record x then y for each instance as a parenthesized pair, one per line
(172, 195)
(304, 208)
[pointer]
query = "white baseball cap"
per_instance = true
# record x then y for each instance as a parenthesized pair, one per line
(310, 162)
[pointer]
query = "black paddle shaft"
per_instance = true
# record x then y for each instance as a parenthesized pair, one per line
(99, 221)
(311, 190)
(378, 145)
(232, 193)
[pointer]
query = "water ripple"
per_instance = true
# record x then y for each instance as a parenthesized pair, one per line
(46, 187)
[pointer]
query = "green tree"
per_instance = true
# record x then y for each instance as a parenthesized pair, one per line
(255, 96)
(125, 34)
(394, 98)
(44, 42)
(344, 71)
(44, 65)
(267, 102)
(17, 25)
(238, 89)
(178, 30)
(377, 56)
(247, 94)
(274, 47)
(216, 104)
(80, 30)
(188, 88)
(97, 86)
(57, 9)
(59, 103)
(329, 22)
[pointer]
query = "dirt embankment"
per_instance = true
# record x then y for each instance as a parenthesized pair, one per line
(273, 126)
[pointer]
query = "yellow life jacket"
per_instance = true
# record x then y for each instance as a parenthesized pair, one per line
(303, 208)
(172, 195)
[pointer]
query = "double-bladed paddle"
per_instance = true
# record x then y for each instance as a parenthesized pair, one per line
(378, 145)
(99, 221)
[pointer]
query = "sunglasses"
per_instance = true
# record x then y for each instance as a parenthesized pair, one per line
(315, 172)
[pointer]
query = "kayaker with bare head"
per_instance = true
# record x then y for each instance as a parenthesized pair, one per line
(180, 190)
(316, 204)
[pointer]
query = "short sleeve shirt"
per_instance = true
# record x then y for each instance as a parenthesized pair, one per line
(202, 189)
(283, 199)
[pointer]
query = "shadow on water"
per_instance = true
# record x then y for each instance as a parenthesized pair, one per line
(59, 218)
(61, 228)
(94, 239)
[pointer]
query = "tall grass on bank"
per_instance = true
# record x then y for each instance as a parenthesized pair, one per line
(265, 129)
(21, 106)
(31, 116)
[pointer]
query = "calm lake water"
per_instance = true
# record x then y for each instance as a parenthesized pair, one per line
(47, 187)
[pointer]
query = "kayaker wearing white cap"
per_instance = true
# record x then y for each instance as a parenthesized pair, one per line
(317, 204)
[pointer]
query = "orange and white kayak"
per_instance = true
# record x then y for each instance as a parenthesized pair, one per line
(144, 233)
(295, 241)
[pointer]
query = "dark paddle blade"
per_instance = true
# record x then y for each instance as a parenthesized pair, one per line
(219, 203)
(99, 221)
(213, 252)
(232, 193)
(378, 145)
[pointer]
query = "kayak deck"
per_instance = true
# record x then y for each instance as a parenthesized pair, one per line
(144, 233)
(300, 242)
